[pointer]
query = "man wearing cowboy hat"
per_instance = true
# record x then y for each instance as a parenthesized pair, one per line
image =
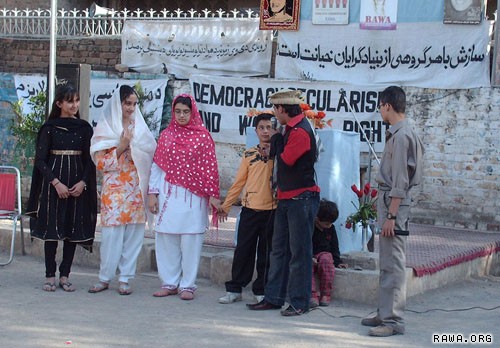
(295, 150)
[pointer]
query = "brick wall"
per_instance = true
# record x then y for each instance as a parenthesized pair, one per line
(32, 56)
(462, 182)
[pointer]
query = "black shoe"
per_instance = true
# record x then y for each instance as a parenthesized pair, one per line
(291, 312)
(262, 306)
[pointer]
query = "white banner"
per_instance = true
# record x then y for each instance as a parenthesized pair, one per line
(100, 92)
(429, 55)
(208, 46)
(28, 86)
(224, 103)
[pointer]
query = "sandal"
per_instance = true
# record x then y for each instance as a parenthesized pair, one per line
(187, 295)
(124, 289)
(98, 287)
(165, 291)
(66, 286)
(49, 286)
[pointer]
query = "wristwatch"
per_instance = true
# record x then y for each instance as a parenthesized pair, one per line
(391, 217)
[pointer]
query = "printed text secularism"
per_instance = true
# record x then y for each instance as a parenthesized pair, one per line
(257, 98)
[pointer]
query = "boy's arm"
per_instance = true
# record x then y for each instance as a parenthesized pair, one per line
(237, 186)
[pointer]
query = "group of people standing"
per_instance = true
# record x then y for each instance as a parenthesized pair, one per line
(304, 241)
(176, 183)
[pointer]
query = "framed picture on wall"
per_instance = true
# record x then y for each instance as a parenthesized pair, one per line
(462, 12)
(279, 14)
(330, 12)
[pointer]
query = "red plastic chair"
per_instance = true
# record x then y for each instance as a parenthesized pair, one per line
(10, 203)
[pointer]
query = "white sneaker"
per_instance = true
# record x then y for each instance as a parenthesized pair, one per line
(259, 298)
(230, 297)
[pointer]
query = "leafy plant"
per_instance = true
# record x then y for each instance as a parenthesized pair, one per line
(25, 127)
(148, 116)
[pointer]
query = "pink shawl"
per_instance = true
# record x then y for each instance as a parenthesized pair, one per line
(187, 155)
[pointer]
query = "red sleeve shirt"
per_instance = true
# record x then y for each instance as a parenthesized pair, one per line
(297, 145)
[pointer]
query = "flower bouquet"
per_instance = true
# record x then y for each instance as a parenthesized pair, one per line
(366, 211)
(317, 118)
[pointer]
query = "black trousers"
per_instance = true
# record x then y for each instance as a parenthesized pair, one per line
(255, 234)
(50, 258)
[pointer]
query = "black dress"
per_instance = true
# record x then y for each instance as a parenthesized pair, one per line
(63, 152)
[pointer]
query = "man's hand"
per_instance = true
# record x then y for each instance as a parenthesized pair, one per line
(388, 228)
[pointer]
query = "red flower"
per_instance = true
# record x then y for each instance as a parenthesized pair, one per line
(374, 193)
(348, 225)
(309, 113)
(305, 107)
(367, 188)
(321, 114)
(359, 193)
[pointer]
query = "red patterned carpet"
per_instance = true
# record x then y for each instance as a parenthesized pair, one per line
(432, 248)
(429, 248)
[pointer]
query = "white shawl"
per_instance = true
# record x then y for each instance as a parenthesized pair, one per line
(142, 146)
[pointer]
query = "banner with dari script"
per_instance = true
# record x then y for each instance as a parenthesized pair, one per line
(234, 47)
(428, 55)
(101, 90)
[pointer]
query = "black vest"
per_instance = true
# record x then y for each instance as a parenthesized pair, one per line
(301, 174)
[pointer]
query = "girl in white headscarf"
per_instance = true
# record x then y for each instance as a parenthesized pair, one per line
(122, 149)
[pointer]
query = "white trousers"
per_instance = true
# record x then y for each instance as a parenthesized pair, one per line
(178, 258)
(120, 248)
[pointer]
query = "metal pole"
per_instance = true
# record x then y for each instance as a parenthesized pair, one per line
(52, 52)
(362, 131)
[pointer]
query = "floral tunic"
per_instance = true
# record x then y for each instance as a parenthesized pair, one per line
(121, 198)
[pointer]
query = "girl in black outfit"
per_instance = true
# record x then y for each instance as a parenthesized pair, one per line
(63, 199)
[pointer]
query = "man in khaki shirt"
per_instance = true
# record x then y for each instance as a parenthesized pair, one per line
(400, 170)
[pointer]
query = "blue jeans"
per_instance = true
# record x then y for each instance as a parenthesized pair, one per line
(290, 270)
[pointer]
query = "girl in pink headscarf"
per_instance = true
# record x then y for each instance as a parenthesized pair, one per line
(184, 183)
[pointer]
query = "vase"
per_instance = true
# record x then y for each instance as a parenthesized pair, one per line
(364, 238)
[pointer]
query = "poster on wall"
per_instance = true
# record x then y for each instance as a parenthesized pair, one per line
(279, 14)
(330, 12)
(462, 12)
(378, 14)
